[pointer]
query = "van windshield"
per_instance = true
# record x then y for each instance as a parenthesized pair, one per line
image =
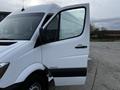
(20, 27)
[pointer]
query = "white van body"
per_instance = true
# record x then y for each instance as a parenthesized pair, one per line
(60, 56)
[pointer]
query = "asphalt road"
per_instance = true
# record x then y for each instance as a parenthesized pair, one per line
(104, 68)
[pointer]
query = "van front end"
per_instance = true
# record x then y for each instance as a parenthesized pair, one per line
(12, 63)
(18, 57)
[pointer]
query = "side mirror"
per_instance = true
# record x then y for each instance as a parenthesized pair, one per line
(42, 35)
(48, 35)
(40, 31)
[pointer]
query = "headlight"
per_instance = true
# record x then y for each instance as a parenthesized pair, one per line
(3, 68)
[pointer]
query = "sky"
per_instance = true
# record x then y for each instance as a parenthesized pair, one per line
(100, 9)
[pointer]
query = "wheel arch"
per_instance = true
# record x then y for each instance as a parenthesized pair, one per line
(32, 69)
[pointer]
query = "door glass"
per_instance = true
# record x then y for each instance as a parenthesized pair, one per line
(71, 23)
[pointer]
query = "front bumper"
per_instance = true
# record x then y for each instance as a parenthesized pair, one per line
(12, 87)
(18, 85)
(51, 86)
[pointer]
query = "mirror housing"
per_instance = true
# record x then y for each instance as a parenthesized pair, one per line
(47, 36)
(41, 35)
(40, 31)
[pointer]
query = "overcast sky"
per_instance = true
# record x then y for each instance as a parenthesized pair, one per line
(100, 9)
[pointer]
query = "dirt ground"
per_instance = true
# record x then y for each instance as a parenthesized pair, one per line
(104, 68)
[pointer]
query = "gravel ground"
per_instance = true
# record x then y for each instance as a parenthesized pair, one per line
(104, 68)
(108, 71)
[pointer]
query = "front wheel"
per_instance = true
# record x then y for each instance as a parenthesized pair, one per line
(35, 86)
(34, 83)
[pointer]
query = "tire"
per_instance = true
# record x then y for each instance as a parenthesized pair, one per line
(34, 82)
(35, 86)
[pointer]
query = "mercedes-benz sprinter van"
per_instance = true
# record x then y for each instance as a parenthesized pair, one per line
(44, 45)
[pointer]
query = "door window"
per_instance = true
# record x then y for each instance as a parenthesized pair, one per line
(71, 23)
(66, 24)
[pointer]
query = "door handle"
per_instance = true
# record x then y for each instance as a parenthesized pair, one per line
(80, 46)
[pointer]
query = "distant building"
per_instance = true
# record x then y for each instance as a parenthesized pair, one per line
(106, 34)
(3, 15)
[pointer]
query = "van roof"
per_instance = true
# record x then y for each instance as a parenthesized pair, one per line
(46, 8)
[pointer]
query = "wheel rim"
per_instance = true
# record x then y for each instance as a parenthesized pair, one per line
(35, 86)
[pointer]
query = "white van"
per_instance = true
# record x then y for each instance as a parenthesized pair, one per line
(44, 45)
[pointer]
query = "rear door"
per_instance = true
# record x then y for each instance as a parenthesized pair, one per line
(66, 47)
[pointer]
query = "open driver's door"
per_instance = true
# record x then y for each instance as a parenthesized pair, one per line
(65, 46)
